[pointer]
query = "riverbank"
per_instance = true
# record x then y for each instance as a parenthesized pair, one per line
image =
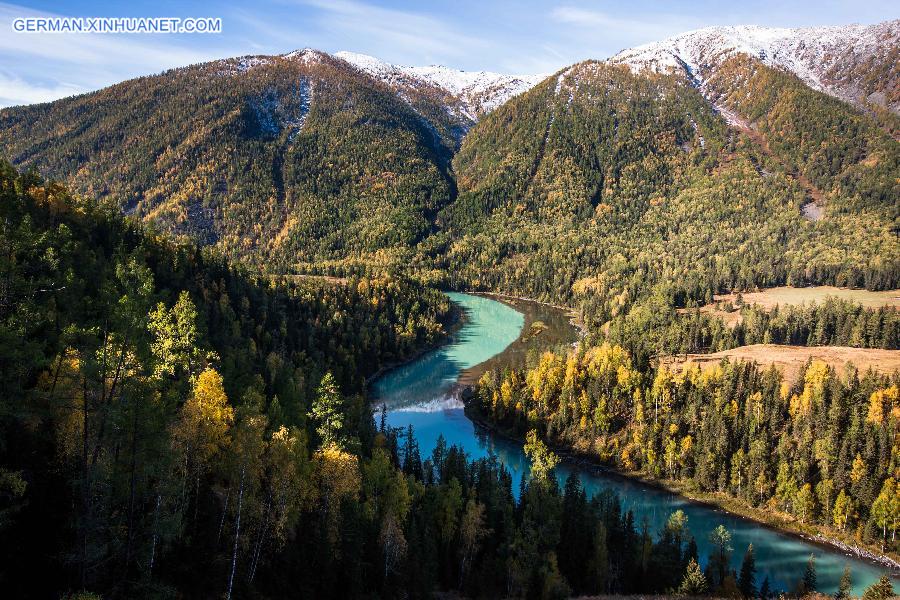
(455, 322)
(772, 520)
(575, 318)
(545, 327)
(425, 394)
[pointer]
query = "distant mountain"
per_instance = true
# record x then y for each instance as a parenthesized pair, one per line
(465, 95)
(609, 184)
(856, 63)
(299, 157)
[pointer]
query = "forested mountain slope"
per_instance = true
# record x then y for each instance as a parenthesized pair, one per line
(301, 155)
(615, 186)
(608, 184)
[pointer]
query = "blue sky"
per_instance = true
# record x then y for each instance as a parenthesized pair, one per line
(531, 36)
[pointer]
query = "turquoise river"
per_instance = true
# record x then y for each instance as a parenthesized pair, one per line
(423, 393)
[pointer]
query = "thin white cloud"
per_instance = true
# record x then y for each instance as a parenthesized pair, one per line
(396, 30)
(546, 61)
(651, 28)
(79, 62)
(15, 90)
(270, 37)
(145, 50)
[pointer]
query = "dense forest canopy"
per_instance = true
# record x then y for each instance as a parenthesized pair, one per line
(175, 426)
(301, 157)
(143, 379)
(736, 428)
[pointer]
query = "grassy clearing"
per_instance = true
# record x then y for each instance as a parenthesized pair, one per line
(786, 295)
(790, 359)
(771, 297)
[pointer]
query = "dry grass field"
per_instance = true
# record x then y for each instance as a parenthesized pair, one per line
(786, 295)
(790, 359)
(771, 297)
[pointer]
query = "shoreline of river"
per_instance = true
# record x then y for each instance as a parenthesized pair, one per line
(574, 317)
(456, 322)
(731, 506)
(709, 501)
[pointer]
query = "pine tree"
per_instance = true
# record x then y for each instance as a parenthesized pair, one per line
(765, 590)
(327, 411)
(845, 585)
(694, 582)
(747, 579)
(880, 590)
(808, 584)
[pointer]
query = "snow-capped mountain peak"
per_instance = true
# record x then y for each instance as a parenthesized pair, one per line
(306, 55)
(479, 91)
(824, 57)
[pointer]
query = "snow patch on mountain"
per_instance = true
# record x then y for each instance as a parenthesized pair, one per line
(242, 64)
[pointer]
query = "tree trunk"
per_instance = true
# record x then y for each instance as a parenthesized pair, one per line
(259, 542)
(155, 536)
(222, 521)
(132, 486)
(86, 484)
(237, 535)
(196, 500)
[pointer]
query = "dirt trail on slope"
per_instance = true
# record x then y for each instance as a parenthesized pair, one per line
(814, 209)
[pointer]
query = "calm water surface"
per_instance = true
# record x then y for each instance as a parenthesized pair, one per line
(421, 393)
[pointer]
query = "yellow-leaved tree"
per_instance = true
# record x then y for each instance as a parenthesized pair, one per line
(202, 429)
(543, 460)
(336, 474)
(882, 404)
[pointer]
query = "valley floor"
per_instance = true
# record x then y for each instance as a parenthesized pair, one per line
(788, 295)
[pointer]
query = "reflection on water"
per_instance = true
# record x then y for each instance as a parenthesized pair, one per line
(421, 394)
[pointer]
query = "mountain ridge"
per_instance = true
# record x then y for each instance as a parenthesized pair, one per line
(859, 64)
(480, 91)
(471, 94)
(854, 63)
